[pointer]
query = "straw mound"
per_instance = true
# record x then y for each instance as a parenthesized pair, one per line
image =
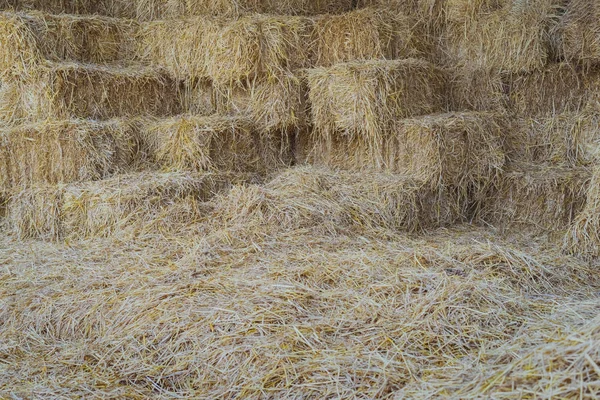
(364, 34)
(309, 197)
(579, 32)
(458, 149)
(556, 89)
(137, 319)
(366, 98)
(214, 143)
(54, 152)
(66, 91)
(565, 139)
(28, 40)
(509, 36)
(540, 196)
(120, 205)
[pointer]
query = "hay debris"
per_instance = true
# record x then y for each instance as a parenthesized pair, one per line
(53, 152)
(215, 143)
(457, 149)
(366, 98)
(309, 197)
(365, 34)
(30, 40)
(538, 196)
(71, 91)
(506, 36)
(123, 204)
(579, 32)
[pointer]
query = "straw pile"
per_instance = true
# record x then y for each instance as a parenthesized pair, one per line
(566, 139)
(29, 40)
(216, 143)
(579, 32)
(508, 36)
(119, 205)
(366, 98)
(365, 34)
(556, 89)
(458, 149)
(312, 197)
(541, 196)
(65, 91)
(54, 152)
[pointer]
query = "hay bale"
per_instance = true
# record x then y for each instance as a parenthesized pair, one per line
(579, 32)
(457, 149)
(53, 152)
(507, 36)
(564, 139)
(557, 89)
(29, 40)
(364, 34)
(583, 237)
(477, 90)
(69, 91)
(215, 143)
(107, 207)
(539, 196)
(366, 98)
(274, 105)
(309, 197)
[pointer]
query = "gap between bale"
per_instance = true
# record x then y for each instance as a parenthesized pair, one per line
(215, 143)
(366, 98)
(66, 91)
(125, 204)
(53, 152)
(30, 40)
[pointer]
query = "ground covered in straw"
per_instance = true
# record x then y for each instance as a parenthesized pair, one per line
(237, 305)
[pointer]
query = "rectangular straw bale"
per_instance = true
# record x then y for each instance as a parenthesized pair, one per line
(215, 143)
(540, 196)
(274, 105)
(67, 91)
(554, 90)
(54, 152)
(579, 32)
(259, 47)
(583, 237)
(364, 34)
(457, 149)
(477, 90)
(54, 6)
(564, 139)
(366, 98)
(306, 197)
(103, 208)
(179, 46)
(506, 36)
(29, 40)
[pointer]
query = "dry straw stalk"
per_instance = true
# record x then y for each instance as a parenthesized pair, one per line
(579, 31)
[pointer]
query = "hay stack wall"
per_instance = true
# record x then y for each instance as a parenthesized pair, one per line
(31, 40)
(215, 143)
(54, 152)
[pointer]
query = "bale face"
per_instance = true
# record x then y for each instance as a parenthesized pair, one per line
(365, 34)
(108, 207)
(67, 91)
(65, 152)
(28, 40)
(557, 89)
(579, 31)
(507, 36)
(215, 143)
(366, 98)
(449, 149)
(539, 196)
(308, 197)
